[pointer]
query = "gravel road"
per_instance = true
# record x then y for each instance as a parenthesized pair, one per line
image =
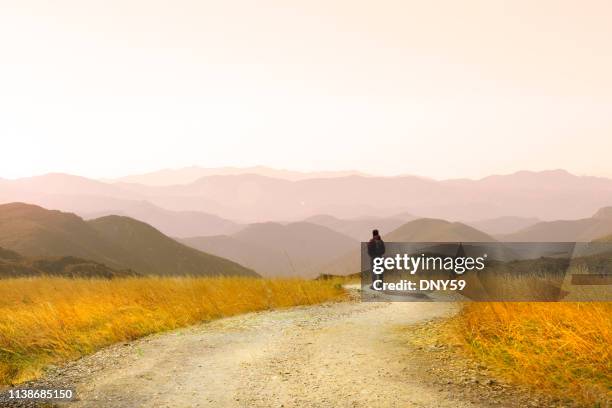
(348, 354)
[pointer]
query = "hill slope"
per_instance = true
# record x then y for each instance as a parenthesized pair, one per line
(296, 249)
(607, 238)
(152, 251)
(35, 231)
(434, 230)
(265, 261)
(421, 230)
(582, 230)
(359, 228)
(91, 198)
(503, 225)
(171, 223)
(118, 242)
(13, 265)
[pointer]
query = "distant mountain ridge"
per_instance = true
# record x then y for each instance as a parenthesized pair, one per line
(272, 249)
(187, 175)
(92, 199)
(604, 213)
(419, 230)
(360, 228)
(503, 225)
(118, 242)
(248, 198)
(436, 230)
(545, 195)
(173, 223)
(581, 230)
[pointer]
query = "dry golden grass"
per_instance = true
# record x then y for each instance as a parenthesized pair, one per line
(560, 348)
(49, 320)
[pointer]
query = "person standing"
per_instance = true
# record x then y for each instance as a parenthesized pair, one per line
(376, 248)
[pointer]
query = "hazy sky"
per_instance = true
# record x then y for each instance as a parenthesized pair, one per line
(434, 88)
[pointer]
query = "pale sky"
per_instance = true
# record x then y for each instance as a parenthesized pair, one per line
(442, 89)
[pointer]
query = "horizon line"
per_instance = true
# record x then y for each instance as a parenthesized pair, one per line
(316, 174)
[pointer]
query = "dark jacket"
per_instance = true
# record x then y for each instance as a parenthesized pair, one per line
(376, 247)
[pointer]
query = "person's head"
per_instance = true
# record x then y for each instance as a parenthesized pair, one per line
(375, 233)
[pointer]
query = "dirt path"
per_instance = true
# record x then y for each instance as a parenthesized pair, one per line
(335, 355)
(330, 355)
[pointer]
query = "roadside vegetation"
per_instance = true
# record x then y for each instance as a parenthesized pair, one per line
(562, 349)
(49, 320)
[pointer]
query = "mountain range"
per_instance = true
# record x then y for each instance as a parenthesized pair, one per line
(436, 230)
(273, 249)
(360, 228)
(35, 241)
(247, 198)
(115, 241)
(581, 230)
(420, 230)
(199, 221)
(190, 174)
(503, 225)
(172, 223)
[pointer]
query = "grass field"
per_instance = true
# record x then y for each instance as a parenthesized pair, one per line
(560, 348)
(49, 320)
